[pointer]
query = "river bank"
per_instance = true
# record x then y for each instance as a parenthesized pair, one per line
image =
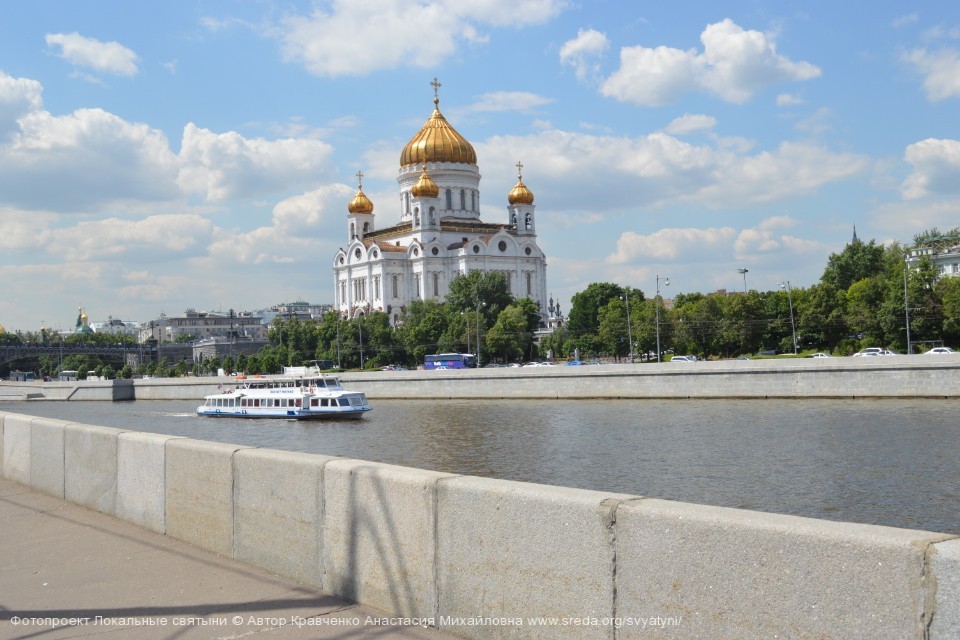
(879, 377)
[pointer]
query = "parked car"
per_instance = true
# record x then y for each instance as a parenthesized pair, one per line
(819, 354)
(869, 351)
(938, 351)
(683, 359)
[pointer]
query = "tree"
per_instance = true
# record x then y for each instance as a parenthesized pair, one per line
(511, 335)
(488, 289)
(856, 262)
(424, 323)
(583, 323)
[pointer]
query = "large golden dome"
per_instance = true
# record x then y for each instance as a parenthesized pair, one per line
(437, 141)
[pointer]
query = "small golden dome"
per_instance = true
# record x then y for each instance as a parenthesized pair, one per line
(2, 330)
(360, 203)
(520, 194)
(437, 141)
(425, 187)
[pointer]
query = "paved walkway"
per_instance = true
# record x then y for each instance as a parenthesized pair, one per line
(67, 572)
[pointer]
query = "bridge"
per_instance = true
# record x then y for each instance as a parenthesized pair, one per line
(11, 352)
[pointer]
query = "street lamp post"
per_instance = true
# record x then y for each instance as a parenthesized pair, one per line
(479, 304)
(360, 328)
(626, 298)
(793, 327)
(656, 306)
(906, 307)
(744, 272)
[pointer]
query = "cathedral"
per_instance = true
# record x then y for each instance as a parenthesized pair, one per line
(440, 235)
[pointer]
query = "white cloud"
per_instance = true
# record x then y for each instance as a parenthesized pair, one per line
(735, 65)
(581, 51)
(904, 20)
(106, 57)
(155, 237)
(92, 156)
(673, 244)
(571, 169)
(18, 97)
(356, 38)
(227, 165)
(690, 123)
(522, 101)
(936, 168)
(940, 70)
(788, 100)
(767, 238)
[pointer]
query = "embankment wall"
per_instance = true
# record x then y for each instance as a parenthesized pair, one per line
(879, 377)
(484, 558)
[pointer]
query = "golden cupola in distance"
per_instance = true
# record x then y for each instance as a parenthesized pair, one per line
(437, 141)
(425, 187)
(520, 194)
(360, 203)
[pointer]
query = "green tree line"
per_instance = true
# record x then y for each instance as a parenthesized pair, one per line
(863, 298)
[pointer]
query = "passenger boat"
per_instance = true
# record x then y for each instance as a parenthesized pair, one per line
(299, 393)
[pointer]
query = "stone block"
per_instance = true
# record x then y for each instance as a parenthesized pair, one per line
(199, 502)
(47, 456)
(90, 466)
(16, 447)
(278, 512)
(141, 481)
(380, 535)
(514, 551)
(692, 571)
(945, 564)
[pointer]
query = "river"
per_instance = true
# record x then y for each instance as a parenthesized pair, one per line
(889, 462)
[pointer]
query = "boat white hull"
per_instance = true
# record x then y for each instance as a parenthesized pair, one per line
(347, 413)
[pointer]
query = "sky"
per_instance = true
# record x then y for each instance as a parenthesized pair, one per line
(163, 156)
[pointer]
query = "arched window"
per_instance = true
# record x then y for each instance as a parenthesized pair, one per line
(406, 202)
(433, 217)
(353, 230)
(449, 199)
(416, 217)
(473, 200)
(528, 221)
(463, 199)
(366, 227)
(513, 219)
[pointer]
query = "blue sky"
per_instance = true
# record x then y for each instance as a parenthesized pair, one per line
(156, 157)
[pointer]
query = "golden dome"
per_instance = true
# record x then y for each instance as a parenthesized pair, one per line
(2, 330)
(520, 194)
(425, 187)
(437, 141)
(360, 203)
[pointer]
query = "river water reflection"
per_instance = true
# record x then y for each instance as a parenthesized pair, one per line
(891, 462)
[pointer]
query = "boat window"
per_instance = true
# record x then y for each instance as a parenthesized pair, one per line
(314, 403)
(324, 402)
(344, 402)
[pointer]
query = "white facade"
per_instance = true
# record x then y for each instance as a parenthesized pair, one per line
(439, 236)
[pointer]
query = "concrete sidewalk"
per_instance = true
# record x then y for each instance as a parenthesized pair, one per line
(67, 572)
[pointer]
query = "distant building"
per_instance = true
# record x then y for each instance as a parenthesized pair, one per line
(944, 252)
(203, 324)
(299, 309)
(117, 327)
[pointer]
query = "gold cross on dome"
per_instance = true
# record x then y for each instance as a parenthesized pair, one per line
(436, 89)
(520, 170)
(360, 179)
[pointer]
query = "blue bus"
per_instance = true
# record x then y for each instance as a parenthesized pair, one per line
(450, 361)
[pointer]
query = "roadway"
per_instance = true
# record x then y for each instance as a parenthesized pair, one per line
(67, 572)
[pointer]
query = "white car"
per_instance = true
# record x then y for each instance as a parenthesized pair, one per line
(820, 355)
(939, 350)
(869, 351)
(683, 359)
